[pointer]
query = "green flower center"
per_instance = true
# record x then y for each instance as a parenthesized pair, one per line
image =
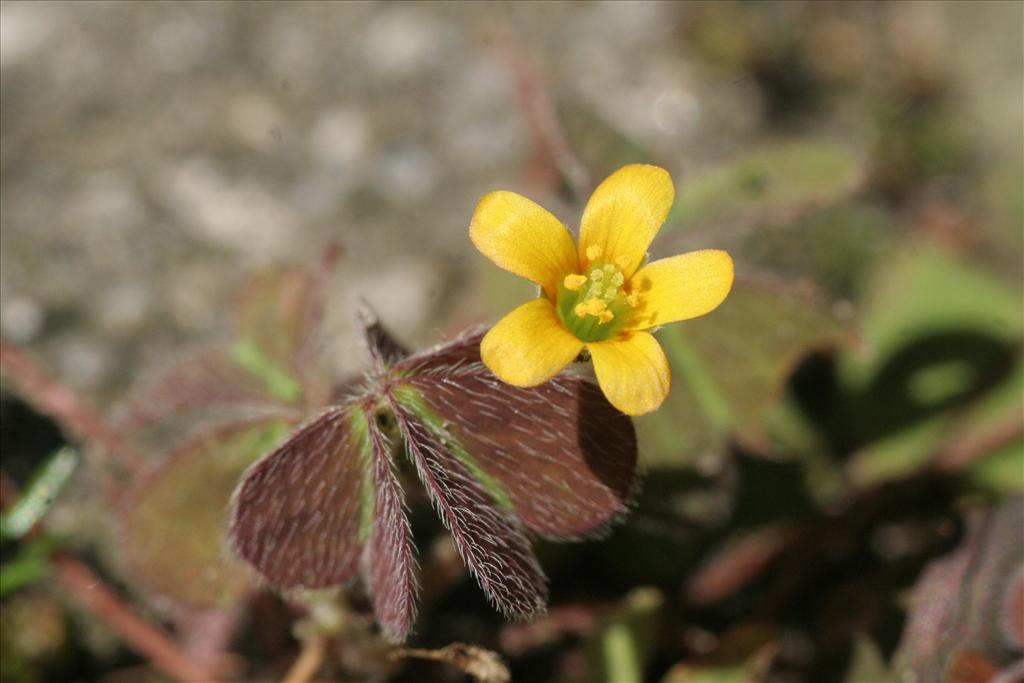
(595, 306)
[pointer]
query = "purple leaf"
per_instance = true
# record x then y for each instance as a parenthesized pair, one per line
(173, 516)
(566, 458)
(296, 514)
(201, 381)
(486, 534)
(391, 566)
(382, 346)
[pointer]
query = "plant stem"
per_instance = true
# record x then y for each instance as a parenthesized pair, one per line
(91, 592)
(699, 383)
(310, 659)
(77, 419)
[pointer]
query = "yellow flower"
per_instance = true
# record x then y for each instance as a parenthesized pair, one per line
(599, 295)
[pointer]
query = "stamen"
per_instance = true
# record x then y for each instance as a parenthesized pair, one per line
(595, 306)
(596, 275)
(606, 316)
(633, 299)
(609, 268)
(580, 310)
(617, 279)
(574, 282)
(594, 251)
(611, 293)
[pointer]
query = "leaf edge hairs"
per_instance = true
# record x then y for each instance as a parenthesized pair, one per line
(498, 463)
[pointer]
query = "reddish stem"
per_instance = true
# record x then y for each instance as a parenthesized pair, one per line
(93, 594)
(961, 453)
(538, 107)
(52, 398)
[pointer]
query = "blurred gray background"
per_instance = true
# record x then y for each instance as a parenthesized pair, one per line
(152, 152)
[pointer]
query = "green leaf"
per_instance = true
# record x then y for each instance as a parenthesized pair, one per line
(768, 184)
(1001, 472)
(30, 564)
(276, 379)
(868, 665)
(176, 516)
(728, 368)
(40, 494)
(621, 649)
(22, 571)
(922, 290)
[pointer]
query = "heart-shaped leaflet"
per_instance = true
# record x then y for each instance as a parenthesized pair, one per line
(497, 462)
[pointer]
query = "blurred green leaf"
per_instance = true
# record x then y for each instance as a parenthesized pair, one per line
(868, 665)
(710, 674)
(836, 246)
(277, 313)
(22, 571)
(176, 516)
(30, 564)
(920, 290)
(729, 366)
(40, 494)
(769, 184)
(277, 381)
(620, 650)
(941, 334)
(1001, 472)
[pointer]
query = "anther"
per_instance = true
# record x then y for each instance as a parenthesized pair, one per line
(594, 251)
(574, 282)
(633, 299)
(606, 316)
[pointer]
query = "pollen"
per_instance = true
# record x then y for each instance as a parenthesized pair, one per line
(633, 299)
(593, 305)
(590, 307)
(574, 282)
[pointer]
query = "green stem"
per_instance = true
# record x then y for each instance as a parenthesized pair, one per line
(689, 368)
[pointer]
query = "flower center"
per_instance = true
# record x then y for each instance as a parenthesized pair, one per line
(595, 305)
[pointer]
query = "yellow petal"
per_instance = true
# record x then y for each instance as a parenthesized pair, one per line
(632, 371)
(681, 287)
(524, 238)
(624, 214)
(529, 345)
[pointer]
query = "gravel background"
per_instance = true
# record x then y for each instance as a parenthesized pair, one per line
(152, 152)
